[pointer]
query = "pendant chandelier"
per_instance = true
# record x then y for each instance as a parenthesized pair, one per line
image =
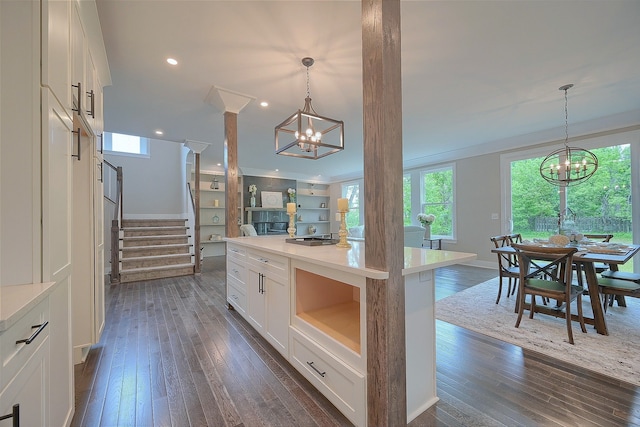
(569, 165)
(308, 135)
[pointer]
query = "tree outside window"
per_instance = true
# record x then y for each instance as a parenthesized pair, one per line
(351, 192)
(601, 205)
(438, 199)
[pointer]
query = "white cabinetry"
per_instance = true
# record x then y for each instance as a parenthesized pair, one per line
(55, 72)
(237, 278)
(268, 297)
(313, 209)
(34, 338)
(328, 336)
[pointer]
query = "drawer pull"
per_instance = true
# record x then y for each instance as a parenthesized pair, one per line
(322, 374)
(33, 335)
(15, 414)
(235, 271)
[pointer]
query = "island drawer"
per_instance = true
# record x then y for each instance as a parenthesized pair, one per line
(237, 297)
(276, 267)
(236, 253)
(236, 271)
(15, 355)
(342, 385)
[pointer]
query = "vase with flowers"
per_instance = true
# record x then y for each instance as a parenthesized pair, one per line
(426, 220)
(292, 194)
(253, 190)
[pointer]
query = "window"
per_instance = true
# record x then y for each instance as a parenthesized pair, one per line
(351, 191)
(601, 205)
(117, 143)
(437, 198)
(406, 199)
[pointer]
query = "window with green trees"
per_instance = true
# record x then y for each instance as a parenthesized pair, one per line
(437, 198)
(600, 205)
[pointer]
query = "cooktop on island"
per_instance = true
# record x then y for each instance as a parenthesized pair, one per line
(313, 241)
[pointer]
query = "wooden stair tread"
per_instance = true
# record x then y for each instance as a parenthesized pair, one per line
(158, 236)
(173, 245)
(156, 268)
(155, 257)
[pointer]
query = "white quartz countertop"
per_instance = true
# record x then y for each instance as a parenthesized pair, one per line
(352, 260)
(17, 300)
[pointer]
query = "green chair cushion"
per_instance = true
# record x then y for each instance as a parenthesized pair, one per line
(622, 275)
(624, 285)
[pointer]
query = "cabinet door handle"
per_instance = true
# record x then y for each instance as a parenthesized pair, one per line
(15, 414)
(78, 140)
(79, 86)
(322, 374)
(33, 335)
(92, 111)
(101, 144)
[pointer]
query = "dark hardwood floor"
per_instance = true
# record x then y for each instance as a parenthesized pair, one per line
(172, 355)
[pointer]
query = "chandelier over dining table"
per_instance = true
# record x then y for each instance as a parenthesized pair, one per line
(568, 165)
(306, 134)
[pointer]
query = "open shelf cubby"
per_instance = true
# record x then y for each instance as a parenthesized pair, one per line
(330, 306)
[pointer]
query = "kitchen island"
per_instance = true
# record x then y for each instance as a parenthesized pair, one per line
(309, 302)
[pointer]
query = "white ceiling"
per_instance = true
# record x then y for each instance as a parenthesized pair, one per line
(477, 76)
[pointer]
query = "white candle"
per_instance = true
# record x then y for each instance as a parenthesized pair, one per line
(291, 208)
(343, 205)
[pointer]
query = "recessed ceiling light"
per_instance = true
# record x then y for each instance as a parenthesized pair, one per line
(219, 164)
(172, 61)
(264, 104)
(159, 132)
(277, 170)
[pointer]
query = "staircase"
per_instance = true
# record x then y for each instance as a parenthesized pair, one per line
(154, 248)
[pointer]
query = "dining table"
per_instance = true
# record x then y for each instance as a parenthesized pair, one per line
(587, 255)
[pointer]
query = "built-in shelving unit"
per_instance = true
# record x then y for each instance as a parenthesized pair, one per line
(213, 216)
(313, 216)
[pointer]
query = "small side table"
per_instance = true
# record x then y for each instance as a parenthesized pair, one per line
(432, 243)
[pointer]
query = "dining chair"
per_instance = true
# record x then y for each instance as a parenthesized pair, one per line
(552, 279)
(610, 288)
(603, 238)
(413, 236)
(600, 267)
(507, 264)
(248, 230)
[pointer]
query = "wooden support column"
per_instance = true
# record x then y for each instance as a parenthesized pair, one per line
(382, 119)
(231, 174)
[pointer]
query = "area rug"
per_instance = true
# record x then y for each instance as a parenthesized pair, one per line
(616, 355)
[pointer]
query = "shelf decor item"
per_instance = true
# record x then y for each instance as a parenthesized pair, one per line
(253, 190)
(426, 220)
(343, 208)
(292, 195)
(291, 211)
(215, 219)
(271, 199)
(215, 185)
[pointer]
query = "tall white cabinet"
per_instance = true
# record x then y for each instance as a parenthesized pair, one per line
(39, 211)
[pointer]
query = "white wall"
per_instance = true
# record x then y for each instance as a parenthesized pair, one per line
(153, 187)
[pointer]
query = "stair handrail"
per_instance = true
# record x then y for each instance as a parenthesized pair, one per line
(116, 223)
